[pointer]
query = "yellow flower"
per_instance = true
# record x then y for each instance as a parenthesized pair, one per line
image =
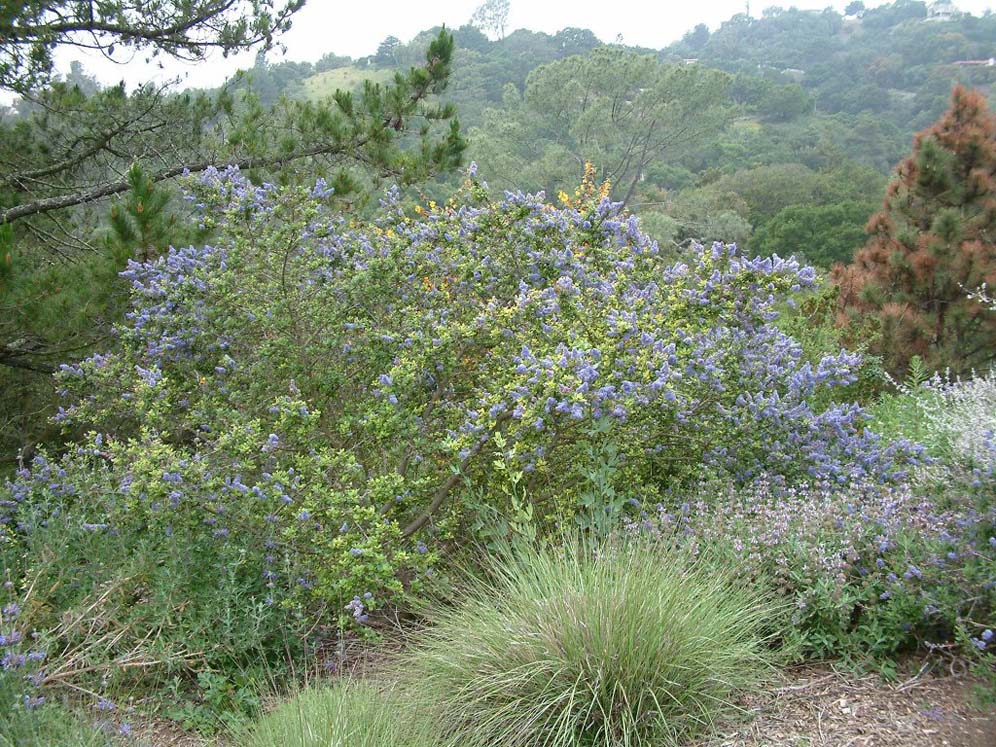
(587, 191)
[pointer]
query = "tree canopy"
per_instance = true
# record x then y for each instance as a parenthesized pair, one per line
(618, 109)
(73, 134)
(492, 15)
(31, 30)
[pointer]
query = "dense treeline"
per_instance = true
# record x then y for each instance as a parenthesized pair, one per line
(893, 60)
(816, 110)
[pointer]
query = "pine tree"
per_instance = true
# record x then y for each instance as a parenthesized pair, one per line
(53, 310)
(32, 31)
(141, 224)
(931, 243)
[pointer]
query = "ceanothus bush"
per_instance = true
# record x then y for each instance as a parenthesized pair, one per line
(324, 394)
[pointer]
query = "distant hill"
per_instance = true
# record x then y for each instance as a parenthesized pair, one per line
(895, 61)
(346, 78)
(820, 108)
(865, 82)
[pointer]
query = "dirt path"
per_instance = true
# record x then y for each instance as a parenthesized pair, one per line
(821, 707)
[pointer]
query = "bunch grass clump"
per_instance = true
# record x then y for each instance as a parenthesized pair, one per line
(349, 714)
(627, 644)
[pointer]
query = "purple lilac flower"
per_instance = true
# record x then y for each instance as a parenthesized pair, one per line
(357, 608)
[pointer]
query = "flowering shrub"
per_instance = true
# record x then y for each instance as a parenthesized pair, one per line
(298, 409)
(27, 717)
(953, 418)
(20, 657)
(427, 335)
(960, 419)
(871, 570)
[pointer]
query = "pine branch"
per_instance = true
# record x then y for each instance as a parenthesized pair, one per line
(422, 82)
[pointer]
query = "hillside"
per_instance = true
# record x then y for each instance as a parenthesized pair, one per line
(895, 61)
(807, 87)
(344, 78)
(628, 410)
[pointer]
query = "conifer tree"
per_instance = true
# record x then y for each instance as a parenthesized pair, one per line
(141, 224)
(31, 31)
(932, 241)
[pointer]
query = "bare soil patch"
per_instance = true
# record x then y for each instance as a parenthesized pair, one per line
(818, 706)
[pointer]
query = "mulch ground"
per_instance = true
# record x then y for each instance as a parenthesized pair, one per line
(818, 706)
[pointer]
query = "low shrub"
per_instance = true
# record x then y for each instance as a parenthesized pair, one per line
(52, 726)
(349, 714)
(954, 418)
(119, 602)
(27, 720)
(869, 571)
(621, 644)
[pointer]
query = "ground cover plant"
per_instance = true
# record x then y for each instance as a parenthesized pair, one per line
(25, 723)
(28, 718)
(873, 571)
(870, 572)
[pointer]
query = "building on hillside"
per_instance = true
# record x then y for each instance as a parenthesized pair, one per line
(991, 62)
(941, 10)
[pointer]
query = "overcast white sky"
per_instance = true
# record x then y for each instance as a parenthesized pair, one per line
(356, 28)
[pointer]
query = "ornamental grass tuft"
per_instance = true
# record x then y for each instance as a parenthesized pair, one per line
(349, 714)
(628, 644)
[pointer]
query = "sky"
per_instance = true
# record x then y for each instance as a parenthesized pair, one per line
(352, 28)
